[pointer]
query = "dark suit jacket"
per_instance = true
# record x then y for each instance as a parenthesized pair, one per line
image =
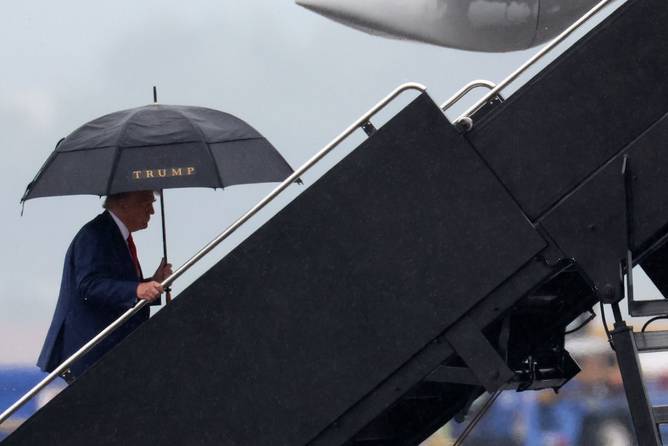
(99, 284)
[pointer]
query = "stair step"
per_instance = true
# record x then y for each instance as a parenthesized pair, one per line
(644, 308)
(651, 341)
(660, 414)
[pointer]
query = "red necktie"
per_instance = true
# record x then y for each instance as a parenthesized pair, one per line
(133, 254)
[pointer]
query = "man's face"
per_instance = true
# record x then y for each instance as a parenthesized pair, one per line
(138, 208)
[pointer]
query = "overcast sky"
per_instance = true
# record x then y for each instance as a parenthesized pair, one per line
(296, 77)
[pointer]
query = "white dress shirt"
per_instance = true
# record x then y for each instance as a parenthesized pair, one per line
(124, 229)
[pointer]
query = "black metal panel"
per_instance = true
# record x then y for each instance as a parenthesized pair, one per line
(316, 309)
(589, 226)
(656, 268)
(582, 109)
(648, 161)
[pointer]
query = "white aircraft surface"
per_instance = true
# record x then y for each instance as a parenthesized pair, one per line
(476, 25)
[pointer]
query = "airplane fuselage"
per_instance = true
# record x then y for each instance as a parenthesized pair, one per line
(476, 25)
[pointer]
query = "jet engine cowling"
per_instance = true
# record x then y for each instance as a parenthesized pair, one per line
(475, 25)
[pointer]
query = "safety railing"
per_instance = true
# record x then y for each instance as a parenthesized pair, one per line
(465, 90)
(528, 64)
(362, 123)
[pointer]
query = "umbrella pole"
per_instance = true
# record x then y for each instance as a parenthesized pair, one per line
(168, 290)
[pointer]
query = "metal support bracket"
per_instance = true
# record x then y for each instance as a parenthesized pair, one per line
(641, 410)
(369, 128)
(484, 362)
(628, 212)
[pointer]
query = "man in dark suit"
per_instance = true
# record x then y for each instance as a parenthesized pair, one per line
(101, 280)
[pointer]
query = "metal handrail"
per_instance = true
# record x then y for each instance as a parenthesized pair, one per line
(515, 74)
(211, 245)
(465, 90)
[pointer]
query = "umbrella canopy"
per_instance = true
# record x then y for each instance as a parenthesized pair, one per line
(158, 147)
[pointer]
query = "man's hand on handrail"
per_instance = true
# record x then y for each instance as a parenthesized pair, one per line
(149, 291)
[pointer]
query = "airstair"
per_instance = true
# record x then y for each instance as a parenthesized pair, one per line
(434, 263)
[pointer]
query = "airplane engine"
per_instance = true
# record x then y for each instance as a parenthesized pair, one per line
(475, 25)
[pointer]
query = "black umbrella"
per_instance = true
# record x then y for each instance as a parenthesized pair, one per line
(158, 147)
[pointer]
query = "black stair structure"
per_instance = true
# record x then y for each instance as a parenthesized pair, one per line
(425, 268)
(653, 342)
